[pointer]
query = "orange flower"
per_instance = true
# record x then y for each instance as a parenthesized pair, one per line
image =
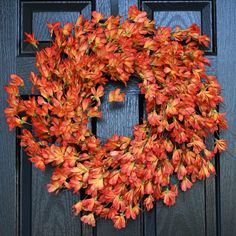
(119, 222)
(89, 219)
(186, 184)
(116, 96)
(148, 202)
(88, 204)
(170, 195)
(31, 39)
(96, 16)
(16, 80)
(220, 145)
(96, 183)
(136, 15)
(77, 207)
(53, 26)
(132, 212)
(67, 29)
(39, 163)
(154, 119)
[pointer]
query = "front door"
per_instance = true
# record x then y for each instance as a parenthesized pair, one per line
(27, 209)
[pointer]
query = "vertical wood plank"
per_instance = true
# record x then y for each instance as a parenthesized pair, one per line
(210, 183)
(149, 222)
(118, 118)
(25, 191)
(210, 198)
(149, 217)
(187, 217)
(104, 6)
(87, 230)
(8, 49)
(226, 74)
(52, 214)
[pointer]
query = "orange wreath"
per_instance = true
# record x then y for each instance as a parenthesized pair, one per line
(168, 149)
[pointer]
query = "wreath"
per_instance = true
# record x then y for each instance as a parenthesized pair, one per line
(167, 151)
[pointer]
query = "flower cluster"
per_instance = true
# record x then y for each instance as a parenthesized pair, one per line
(167, 151)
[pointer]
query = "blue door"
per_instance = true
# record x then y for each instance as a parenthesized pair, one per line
(27, 209)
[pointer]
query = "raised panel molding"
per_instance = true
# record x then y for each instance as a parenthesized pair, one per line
(184, 13)
(35, 15)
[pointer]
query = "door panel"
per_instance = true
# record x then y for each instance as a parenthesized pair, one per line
(119, 118)
(26, 208)
(8, 168)
(226, 71)
(189, 216)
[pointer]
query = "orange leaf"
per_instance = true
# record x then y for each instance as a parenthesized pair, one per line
(53, 26)
(79, 21)
(116, 96)
(97, 16)
(31, 39)
(67, 28)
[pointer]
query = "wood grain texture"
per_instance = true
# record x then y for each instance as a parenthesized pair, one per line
(186, 218)
(210, 197)
(48, 10)
(212, 70)
(149, 222)
(52, 214)
(24, 191)
(210, 183)
(184, 13)
(40, 20)
(182, 18)
(226, 71)
(149, 217)
(118, 118)
(8, 168)
(208, 22)
(104, 6)
(24, 65)
(124, 6)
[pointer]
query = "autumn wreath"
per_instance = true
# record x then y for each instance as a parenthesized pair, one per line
(167, 151)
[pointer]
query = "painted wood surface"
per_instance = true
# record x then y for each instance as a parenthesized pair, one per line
(209, 208)
(226, 71)
(8, 167)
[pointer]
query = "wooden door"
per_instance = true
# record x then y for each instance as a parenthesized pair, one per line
(26, 208)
